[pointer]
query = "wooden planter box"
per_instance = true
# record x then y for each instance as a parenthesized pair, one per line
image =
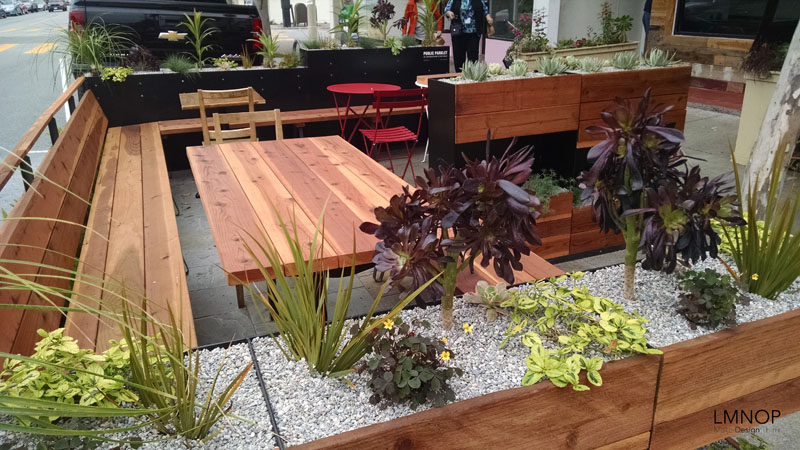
(599, 51)
(615, 415)
(753, 367)
(670, 86)
(586, 235)
(554, 227)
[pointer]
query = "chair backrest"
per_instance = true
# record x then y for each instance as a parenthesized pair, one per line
(45, 226)
(386, 102)
(228, 126)
(222, 99)
(300, 14)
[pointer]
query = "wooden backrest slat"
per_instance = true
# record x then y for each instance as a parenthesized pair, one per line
(25, 144)
(26, 240)
(206, 100)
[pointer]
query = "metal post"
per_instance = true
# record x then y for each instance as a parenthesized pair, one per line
(53, 127)
(26, 171)
(71, 104)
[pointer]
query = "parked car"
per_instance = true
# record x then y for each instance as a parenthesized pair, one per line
(3, 13)
(33, 6)
(53, 5)
(155, 24)
(11, 7)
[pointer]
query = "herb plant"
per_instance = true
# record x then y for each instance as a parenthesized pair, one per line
(455, 216)
(518, 68)
(659, 58)
(640, 184)
(60, 382)
(199, 35)
(625, 60)
(408, 367)
(490, 298)
(552, 65)
(583, 326)
(475, 71)
(708, 298)
(117, 74)
(382, 13)
(269, 48)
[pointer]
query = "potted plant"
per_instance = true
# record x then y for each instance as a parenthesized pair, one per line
(553, 226)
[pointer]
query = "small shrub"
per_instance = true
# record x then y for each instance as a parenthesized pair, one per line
(179, 64)
(614, 29)
(408, 367)
(659, 58)
(552, 65)
(518, 68)
(475, 71)
(224, 63)
(118, 74)
(625, 60)
(290, 60)
(496, 69)
(592, 64)
(93, 45)
(490, 298)
(544, 184)
(708, 298)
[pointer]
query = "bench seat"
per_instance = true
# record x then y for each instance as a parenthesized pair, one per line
(534, 267)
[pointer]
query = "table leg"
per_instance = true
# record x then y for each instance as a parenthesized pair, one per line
(240, 295)
(342, 120)
(360, 120)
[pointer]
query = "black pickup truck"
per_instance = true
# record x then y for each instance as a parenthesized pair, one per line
(155, 24)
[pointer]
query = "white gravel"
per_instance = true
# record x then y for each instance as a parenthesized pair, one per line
(247, 403)
(503, 77)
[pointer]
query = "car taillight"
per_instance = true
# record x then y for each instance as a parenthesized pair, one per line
(76, 19)
(257, 27)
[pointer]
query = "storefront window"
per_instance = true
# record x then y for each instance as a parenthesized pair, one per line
(730, 18)
(507, 15)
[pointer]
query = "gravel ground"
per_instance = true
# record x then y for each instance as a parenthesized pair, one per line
(248, 403)
(503, 77)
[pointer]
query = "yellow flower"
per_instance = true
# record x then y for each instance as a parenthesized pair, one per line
(754, 277)
(388, 324)
(445, 356)
(468, 328)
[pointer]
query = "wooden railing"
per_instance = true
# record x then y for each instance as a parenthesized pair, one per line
(18, 157)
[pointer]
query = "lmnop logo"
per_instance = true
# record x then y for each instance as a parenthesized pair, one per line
(746, 416)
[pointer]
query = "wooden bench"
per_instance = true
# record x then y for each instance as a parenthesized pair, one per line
(534, 267)
(297, 118)
(130, 237)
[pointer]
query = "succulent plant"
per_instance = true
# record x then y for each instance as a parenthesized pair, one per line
(496, 69)
(592, 64)
(518, 68)
(475, 71)
(625, 60)
(552, 65)
(659, 58)
(572, 62)
(489, 297)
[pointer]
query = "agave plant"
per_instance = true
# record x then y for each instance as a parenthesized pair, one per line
(491, 298)
(496, 69)
(475, 71)
(640, 184)
(625, 60)
(659, 58)
(518, 68)
(591, 64)
(552, 65)
(455, 216)
(572, 62)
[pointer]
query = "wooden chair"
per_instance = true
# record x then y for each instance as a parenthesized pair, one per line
(222, 99)
(223, 133)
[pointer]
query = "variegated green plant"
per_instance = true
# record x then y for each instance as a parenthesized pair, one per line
(625, 60)
(552, 65)
(583, 325)
(518, 68)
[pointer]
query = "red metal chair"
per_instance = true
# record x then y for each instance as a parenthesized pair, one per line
(386, 102)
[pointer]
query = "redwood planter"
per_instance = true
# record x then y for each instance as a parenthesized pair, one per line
(752, 367)
(618, 413)
(586, 235)
(597, 51)
(554, 227)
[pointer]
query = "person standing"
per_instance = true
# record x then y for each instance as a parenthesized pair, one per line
(411, 26)
(469, 21)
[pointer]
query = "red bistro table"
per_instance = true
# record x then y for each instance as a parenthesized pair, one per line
(349, 90)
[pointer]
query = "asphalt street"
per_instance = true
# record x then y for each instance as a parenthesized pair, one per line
(29, 82)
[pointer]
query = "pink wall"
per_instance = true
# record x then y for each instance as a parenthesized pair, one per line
(495, 48)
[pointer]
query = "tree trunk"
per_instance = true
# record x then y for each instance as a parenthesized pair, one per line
(262, 6)
(449, 283)
(781, 125)
(633, 236)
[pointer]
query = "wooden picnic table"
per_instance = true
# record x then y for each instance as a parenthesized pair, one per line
(189, 101)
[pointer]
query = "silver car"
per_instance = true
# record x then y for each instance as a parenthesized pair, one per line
(11, 7)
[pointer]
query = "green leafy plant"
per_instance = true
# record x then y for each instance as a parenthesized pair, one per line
(580, 324)
(59, 381)
(530, 36)
(490, 298)
(179, 64)
(496, 69)
(545, 185)
(224, 63)
(625, 60)
(268, 48)
(475, 71)
(659, 58)
(297, 305)
(95, 45)
(290, 60)
(117, 74)
(614, 29)
(394, 44)
(408, 367)
(349, 21)
(426, 18)
(199, 35)
(246, 57)
(591, 64)
(552, 65)
(767, 257)
(708, 298)
(641, 185)
(518, 68)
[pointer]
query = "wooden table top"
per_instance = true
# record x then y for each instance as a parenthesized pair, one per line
(240, 183)
(189, 101)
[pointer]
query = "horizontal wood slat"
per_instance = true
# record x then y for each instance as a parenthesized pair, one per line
(618, 411)
(520, 94)
(550, 119)
(675, 118)
(633, 83)
(592, 110)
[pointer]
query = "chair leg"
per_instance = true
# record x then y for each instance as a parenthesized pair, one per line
(409, 154)
(240, 295)
(389, 154)
(177, 210)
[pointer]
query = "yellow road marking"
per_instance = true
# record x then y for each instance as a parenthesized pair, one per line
(8, 30)
(42, 48)
(59, 29)
(35, 29)
(4, 47)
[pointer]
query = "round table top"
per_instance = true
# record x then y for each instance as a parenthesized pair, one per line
(361, 88)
